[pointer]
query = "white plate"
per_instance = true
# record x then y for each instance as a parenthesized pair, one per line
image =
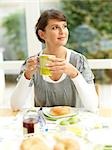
(46, 111)
(100, 136)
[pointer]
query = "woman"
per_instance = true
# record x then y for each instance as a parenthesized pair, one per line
(71, 82)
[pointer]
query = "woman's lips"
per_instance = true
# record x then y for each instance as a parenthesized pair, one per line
(62, 38)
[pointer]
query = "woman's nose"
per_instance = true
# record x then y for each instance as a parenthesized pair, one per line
(61, 30)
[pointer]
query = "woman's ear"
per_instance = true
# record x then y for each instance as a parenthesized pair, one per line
(41, 34)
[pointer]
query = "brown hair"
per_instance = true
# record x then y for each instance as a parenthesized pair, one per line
(44, 18)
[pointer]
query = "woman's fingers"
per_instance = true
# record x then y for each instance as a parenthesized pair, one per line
(56, 62)
(32, 60)
(31, 67)
(53, 59)
(57, 65)
(63, 67)
(31, 63)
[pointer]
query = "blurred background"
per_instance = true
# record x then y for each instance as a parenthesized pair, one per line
(90, 26)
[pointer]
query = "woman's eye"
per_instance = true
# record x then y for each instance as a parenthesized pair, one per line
(65, 26)
(54, 28)
(57, 27)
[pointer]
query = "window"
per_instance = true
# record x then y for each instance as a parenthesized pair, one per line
(17, 40)
(13, 31)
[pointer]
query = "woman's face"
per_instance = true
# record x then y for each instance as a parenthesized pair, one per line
(56, 33)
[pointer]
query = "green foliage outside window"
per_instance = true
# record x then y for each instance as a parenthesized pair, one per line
(90, 21)
(97, 15)
(15, 36)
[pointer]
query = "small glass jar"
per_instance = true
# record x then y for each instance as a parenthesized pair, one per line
(30, 121)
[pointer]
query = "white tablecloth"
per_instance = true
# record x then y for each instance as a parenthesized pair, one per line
(91, 126)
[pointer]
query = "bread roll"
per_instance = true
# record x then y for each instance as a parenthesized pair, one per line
(67, 144)
(60, 110)
(34, 143)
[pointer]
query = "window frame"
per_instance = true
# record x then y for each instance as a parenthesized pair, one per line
(32, 10)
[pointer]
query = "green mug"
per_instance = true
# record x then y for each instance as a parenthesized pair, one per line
(44, 59)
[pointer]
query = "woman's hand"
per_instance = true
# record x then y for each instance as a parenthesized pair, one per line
(31, 66)
(58, 65)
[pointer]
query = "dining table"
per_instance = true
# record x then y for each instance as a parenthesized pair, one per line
(93, 131)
